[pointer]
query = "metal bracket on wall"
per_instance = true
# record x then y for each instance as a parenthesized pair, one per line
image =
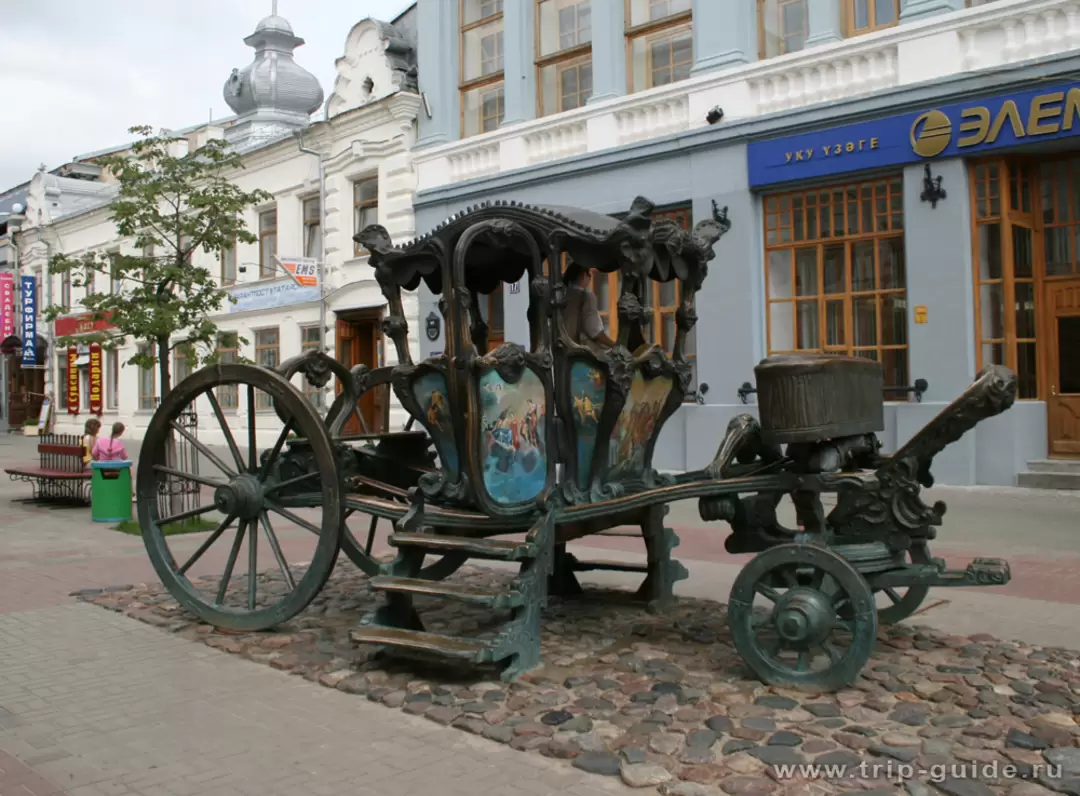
(932, 190)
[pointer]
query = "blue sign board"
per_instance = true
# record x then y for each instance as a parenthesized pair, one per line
(268, 296)
(28, 316)
(966, 128)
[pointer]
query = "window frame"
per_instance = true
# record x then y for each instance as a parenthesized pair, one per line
(147, 400)
(466, 87)
(762, 28)
(223, 258)
(232, 402)
(560, 59)
(652, 29)
(311, 224)
(267, 270)
(359, 205)
(848, 295)
(264, 402)
(112, 380)
(848, 15)
(305, 345)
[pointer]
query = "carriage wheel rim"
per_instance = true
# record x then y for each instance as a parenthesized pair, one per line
(248, 488)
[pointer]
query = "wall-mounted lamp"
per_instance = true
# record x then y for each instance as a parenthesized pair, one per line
(932, 190)
(715, 115)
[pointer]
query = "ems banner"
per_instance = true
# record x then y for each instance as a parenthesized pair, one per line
(95, 379)
(28, 319)
(73, 381)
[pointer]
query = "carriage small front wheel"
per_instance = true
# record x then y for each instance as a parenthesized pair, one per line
(288, 556)
(790, 621)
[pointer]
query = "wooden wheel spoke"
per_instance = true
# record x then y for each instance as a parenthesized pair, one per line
(760, 620)
(231, 563)
(291, 517)
(766, 591)
(206, 544)
(835, 655)
(818, 579)
(253, 565)
(892, 594)
(185, 515)
(276, 451)
(224, 423)
(275, 546)
(281, 485)
(253, 451)
(198, 479)
(790, 576)
(205, 451)
(802, 662)
(846, 624)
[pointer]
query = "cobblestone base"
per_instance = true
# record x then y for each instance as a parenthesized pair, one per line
(665, 701)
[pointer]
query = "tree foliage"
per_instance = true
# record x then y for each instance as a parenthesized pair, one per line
(168, 207)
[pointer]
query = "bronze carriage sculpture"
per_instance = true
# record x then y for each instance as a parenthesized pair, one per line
(555, 442)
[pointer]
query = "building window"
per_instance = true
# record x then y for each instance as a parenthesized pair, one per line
(112, 383)
(312, 229)
(659, 41)
(564, 62)
(783, 26)
(864, 16)
(181, 364)
(365, 207)
(91, 273)
(664, 300)
(267, 243)
(115, 280)
(267, 354)
(482, 97)
(62, 380)
(835, 278)
(228, 265)
(65, 290)
(228, 345)
(309, 341)
(147, 382)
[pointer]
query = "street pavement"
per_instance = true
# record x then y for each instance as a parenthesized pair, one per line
(94, 703)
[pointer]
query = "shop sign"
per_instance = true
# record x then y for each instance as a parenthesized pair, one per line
(73, 381)
(270, 296)
(28, 319)
(303, 270)
(95, 379)
(966, 128)
(72, 325)
(7, 305)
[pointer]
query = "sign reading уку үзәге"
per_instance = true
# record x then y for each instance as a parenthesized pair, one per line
(964, 128)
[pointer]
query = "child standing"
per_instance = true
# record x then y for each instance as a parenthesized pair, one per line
(90, 435)
(112, 449)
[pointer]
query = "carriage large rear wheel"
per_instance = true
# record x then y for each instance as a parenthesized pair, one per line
(245, 501)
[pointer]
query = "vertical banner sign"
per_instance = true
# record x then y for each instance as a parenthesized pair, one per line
(73, 381)
(28, 320)
(95, 379)
(7, 305)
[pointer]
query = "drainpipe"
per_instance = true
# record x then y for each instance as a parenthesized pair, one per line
(322, 242)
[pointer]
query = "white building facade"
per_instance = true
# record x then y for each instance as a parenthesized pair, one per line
(356, 159)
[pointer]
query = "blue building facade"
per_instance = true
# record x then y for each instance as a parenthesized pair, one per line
(902, 179)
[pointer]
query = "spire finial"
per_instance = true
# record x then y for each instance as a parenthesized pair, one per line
(273, 7)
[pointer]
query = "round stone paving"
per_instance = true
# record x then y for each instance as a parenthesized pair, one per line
(664, 701)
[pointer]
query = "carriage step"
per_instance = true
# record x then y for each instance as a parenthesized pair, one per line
(469, 649)
(495, 600)
(491, 549)
(609, 566)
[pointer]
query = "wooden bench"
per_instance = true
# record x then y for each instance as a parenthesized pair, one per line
(60, 476)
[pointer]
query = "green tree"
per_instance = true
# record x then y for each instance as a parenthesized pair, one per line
(169, 207)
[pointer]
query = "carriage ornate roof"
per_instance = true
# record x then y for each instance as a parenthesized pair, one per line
(656, 247)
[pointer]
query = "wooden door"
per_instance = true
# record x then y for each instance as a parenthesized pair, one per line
(1063, 360)
(358, 343)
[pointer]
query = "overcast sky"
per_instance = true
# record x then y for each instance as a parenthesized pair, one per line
(77, 74)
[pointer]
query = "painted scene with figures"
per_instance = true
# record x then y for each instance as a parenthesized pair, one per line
(432, 396)
(588, 386)
(513, 418)
(636, 422)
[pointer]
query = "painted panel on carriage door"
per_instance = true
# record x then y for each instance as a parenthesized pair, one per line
(637, 425)
(588, 386)
(431, 393)
(514, 421)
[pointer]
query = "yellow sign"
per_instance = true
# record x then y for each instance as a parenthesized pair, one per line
(920, 313)
(1046, 114)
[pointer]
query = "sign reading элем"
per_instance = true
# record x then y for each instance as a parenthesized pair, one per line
(964, 128)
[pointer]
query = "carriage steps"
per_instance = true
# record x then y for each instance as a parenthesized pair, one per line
(520, 597)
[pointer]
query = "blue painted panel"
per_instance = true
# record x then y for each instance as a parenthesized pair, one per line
(431, 393)
(966, 128)
(514, 422)
(588, 386)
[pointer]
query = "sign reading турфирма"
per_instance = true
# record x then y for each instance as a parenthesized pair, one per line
(958, 130)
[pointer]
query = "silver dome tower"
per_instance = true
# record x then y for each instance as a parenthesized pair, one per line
(273, 94)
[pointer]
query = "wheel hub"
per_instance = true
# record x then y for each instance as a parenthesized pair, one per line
(804, 616)
(242, 497)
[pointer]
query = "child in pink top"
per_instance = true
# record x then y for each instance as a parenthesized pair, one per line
(111, 449)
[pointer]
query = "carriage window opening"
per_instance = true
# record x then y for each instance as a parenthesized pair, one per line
(835, 278)
(267, 243)
(481, 69)
(564, 54)
(495, 320)
(267, 354)
(228, 395)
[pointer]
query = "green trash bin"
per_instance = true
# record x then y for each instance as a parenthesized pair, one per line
(110, 491)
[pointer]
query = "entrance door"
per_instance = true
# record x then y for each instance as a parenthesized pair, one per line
(1063, 333)
(358, 343)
